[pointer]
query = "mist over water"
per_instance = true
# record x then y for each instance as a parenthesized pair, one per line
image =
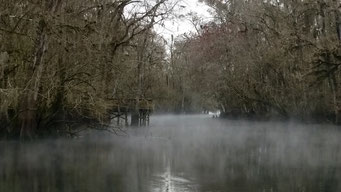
(181, 154)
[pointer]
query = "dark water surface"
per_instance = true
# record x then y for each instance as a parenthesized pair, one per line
(181, 154)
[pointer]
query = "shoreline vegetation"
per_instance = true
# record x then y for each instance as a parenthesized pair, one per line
(266, 60)
(63, 63)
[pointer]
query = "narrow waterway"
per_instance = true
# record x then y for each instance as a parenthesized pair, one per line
(181, 154)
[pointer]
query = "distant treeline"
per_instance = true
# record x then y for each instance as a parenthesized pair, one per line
(265, 59)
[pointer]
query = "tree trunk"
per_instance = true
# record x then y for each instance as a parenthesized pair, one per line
(135, 117)
(334, 86)
(29, 106)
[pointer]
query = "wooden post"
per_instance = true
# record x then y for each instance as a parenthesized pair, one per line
(144, 118)
(126, 117)
(118, 115)
(148, 118)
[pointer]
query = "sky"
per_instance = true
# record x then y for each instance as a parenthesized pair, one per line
(182, 25)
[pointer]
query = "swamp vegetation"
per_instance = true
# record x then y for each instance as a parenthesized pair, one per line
(68, 67)
(63, 63)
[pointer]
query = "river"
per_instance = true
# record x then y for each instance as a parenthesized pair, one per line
(193, 153)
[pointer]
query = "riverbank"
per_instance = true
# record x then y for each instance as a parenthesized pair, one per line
(308, 119)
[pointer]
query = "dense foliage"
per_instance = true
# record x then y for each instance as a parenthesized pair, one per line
(274, 58)
(64, 62)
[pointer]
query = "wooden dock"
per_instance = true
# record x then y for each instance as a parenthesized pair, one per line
(121, 108)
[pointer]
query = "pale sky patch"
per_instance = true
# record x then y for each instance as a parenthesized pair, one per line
(181, 24)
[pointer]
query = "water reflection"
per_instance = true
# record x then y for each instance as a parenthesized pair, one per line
(181, 154)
